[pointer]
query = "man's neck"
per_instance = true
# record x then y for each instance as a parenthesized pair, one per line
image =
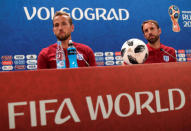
(155, 45)
(65, 43)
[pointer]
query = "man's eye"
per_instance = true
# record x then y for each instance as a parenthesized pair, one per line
(63, 23)
(55, 25)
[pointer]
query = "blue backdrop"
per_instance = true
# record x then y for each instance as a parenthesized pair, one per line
(26, 25)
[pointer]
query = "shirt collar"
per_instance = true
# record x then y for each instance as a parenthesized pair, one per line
(151, 48)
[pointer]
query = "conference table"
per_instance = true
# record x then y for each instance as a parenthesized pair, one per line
(133, 97)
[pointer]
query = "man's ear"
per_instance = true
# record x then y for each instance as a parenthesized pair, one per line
(72, 28)
(160, 31)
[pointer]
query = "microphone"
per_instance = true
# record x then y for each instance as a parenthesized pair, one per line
(168, 54)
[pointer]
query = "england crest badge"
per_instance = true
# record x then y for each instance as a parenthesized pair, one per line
(166, 58)
(80, 56)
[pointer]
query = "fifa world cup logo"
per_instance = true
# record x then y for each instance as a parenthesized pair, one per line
(174, 13)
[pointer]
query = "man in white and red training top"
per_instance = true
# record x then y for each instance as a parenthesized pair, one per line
(62, 28)
(158, 53)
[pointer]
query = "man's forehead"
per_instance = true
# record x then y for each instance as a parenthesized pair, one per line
(150, 23)
(61, 17)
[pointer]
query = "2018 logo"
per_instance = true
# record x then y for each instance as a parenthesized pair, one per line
(174, 13)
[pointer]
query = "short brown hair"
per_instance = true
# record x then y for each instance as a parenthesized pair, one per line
(60, 13)
(152, 21)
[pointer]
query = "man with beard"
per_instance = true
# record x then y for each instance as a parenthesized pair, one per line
(158, 53)
(62, 28)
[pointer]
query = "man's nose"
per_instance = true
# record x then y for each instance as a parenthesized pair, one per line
(60, 27)
(150, 32)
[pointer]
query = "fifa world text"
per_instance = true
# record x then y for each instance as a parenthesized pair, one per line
(46, 113)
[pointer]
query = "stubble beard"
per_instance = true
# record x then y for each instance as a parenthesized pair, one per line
(63, 38)
(153, 40)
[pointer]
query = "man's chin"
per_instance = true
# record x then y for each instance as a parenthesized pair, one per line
(61, 38)
(152, 41)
